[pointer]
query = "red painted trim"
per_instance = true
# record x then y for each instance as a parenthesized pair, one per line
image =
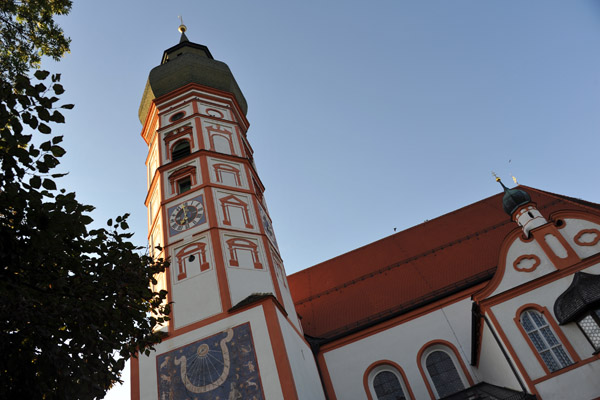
(221, 269)
(567, 369)
(272, 272)
(204, 92)
(578, 241)
(326, 378)
(199, 133)
(456, 355)
(576, 214)
(499, 274)
(539, 282)
(134, 369)
(284, 369)
(204, 170)
(511, 351)
(398, 368)
(540, 234)
(549, 318)
(429, 308)
(533, 257)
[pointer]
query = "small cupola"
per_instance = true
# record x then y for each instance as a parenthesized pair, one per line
(517, 203)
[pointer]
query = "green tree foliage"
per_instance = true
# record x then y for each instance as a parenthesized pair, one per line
(75, 302)
(30, 32)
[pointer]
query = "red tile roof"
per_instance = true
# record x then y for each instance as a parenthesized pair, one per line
(390, 275)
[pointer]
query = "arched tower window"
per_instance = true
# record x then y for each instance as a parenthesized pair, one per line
(544, 340)
(180, 150)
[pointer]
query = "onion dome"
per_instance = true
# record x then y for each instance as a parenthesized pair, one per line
(581, 296)
(513, 198)
(186, 63)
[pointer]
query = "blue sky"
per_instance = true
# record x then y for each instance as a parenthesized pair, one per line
(365, 116)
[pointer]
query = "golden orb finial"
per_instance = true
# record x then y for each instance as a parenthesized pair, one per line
(182, 28)
(496, 176)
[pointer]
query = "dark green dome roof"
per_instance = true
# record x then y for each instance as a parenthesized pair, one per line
(581, 296)
(186, 63)
(513, 199)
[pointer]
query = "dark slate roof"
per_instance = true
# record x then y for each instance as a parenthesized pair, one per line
(582, 295)
(486, 391)
(186, 63)
(513, 199)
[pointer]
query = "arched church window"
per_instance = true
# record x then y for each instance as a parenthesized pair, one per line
(443, 373)
(180, 150)
(544, 340)
(386, 382)
(387, 386)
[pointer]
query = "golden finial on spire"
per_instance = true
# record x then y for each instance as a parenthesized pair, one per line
(496, 176)
(182, 28)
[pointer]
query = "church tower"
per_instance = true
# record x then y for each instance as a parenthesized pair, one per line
(234, 332)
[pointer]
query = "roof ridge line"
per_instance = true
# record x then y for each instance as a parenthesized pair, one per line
(399, 263)
(569, 199)
(415, 257)
(394, 234)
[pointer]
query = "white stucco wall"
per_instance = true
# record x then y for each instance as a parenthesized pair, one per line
(288, 303)
(245, 279)
(228, 178)
(196, 297)
(262, 346)
(544, 296)
(400, 344)
(577, 384)
(171, 190)
(304, 367)
(164, 116)
(227, 143)
(574, 226)
(236, 215)
(513, 278)
(493, 367)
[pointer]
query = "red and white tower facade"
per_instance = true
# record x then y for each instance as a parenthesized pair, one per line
(234, 332)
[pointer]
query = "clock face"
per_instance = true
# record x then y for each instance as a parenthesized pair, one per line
(186, 215)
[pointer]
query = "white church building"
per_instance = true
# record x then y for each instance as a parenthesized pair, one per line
(496, 300)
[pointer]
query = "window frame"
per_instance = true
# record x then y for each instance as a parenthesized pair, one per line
(595, 315)
(558, 334)
(180, 182)
(385, 366)
(175, 145)
(452, 352)
(180, 174)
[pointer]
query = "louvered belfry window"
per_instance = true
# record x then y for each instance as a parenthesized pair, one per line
(180, 150)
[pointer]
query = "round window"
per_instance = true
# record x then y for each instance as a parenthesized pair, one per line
(177, 116)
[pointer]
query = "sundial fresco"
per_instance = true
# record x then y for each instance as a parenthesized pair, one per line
(220, 367)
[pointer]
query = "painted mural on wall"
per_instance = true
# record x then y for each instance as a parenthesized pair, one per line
(220, 367)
